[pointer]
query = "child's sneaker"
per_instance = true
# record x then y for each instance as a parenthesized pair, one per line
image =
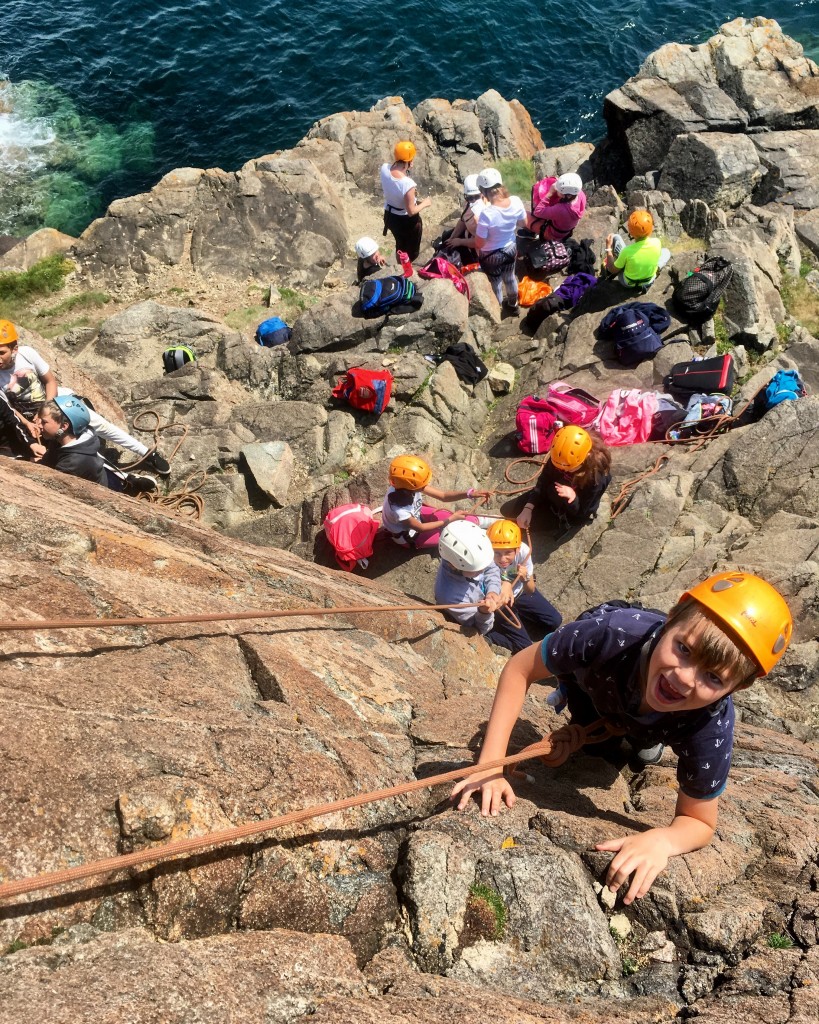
(140, 483)
(158, 463)
(651, 755)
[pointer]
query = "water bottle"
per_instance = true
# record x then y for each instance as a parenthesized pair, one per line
(406, 263)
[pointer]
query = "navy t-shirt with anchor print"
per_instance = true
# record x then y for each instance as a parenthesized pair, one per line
(604, 652)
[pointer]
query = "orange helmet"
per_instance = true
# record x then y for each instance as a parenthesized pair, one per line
(409, 473)
(569, 448)
(640, 224)
(753, 610)
(8, 332)
(503, 533)
(405, 151)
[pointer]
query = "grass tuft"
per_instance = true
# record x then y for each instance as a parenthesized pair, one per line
(776, 940)
(518, 176)
(18, 289)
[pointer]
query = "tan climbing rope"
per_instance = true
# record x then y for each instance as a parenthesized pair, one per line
(553, 750)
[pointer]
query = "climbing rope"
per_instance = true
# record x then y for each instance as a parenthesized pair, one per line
(553, 750)
(12, 625)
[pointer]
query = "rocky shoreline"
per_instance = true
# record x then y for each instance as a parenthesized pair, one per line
(115, 743)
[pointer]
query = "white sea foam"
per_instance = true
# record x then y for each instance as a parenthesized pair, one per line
(24, 142)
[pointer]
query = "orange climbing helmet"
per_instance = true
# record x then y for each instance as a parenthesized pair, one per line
(503, 534)
(640, 224)
(569, 448)
(405, 150)
(8, 332)
(409, 473)
(754, 612)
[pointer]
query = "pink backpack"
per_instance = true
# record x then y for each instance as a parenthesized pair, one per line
(440, 267)
(626, 416)
(350, 529)
(538, 419)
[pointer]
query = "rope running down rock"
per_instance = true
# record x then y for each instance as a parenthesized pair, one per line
(553, 750)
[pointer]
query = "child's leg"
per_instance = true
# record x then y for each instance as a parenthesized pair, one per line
(535, 609)
(510, 637)
(430, 538)
(510, 282)
(583, 712)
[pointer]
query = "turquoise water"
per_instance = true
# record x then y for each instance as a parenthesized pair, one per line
(105, 97)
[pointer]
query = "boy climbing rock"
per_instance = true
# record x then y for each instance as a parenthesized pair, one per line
(664, 679)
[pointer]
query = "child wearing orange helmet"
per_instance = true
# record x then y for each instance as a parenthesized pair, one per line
(404, 515)
(664, 679)
(640, 261)
(573, 481)
(514, 559)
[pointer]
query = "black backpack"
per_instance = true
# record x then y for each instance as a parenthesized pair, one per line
(635, 330)
(389, 295)
(697, 296)
(703, 376)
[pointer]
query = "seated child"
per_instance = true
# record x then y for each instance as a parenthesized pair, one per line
(404, 515)
(556, 216)
(468, 573)
(369, 258)
(639, 262)
(15, 440)
(572, 481)
(665, 679)
(452, 241)
(72, 447)
(514, 560)
(27, 381)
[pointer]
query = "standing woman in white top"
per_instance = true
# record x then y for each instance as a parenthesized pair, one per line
(401, 208)
(495, 235)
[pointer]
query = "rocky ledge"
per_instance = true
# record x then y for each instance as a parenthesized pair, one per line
(117, 740)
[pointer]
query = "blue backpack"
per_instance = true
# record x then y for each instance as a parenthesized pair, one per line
(273, 332)
(389, 295)
(784, 386)
(635, 329)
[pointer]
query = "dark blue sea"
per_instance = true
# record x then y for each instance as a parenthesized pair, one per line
(102, 97)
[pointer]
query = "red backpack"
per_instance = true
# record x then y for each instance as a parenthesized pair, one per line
(350, 529)
(369, 390)
(440, 267)
(539, 419)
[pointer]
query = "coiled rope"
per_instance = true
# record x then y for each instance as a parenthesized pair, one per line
(553, 750)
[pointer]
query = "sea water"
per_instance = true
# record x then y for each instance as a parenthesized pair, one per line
(102, 97)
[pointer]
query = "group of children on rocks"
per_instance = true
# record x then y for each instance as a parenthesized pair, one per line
(486, 231)
(43, 422)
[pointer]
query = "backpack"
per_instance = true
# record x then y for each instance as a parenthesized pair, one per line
(273, 332)
(538, 419)
(703, 376)
(439, 267)
(383, 295)
(369, 390)
(175, 357)
(635, 330)
(549, 257)
(627, 416)
(697, 296)
(350, 530)
(784, 386)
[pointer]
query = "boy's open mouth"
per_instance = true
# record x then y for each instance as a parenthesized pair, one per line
(667, 693)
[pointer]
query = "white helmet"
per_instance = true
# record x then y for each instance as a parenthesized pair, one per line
(569, 184)
(489, 178)
(471, 187)
(365, 247)
(466, 546)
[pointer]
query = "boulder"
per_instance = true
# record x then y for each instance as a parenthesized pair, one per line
(38, 245)
(790, 161)
(271, 466)
(332, 325)
(806, 226)
(720, 169)
(508, 130)
(556, 160)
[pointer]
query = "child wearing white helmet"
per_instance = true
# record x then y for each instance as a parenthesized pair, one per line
(468, 573)
(495, 240)
(467, 223)
(558, 203)
(369, 257)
